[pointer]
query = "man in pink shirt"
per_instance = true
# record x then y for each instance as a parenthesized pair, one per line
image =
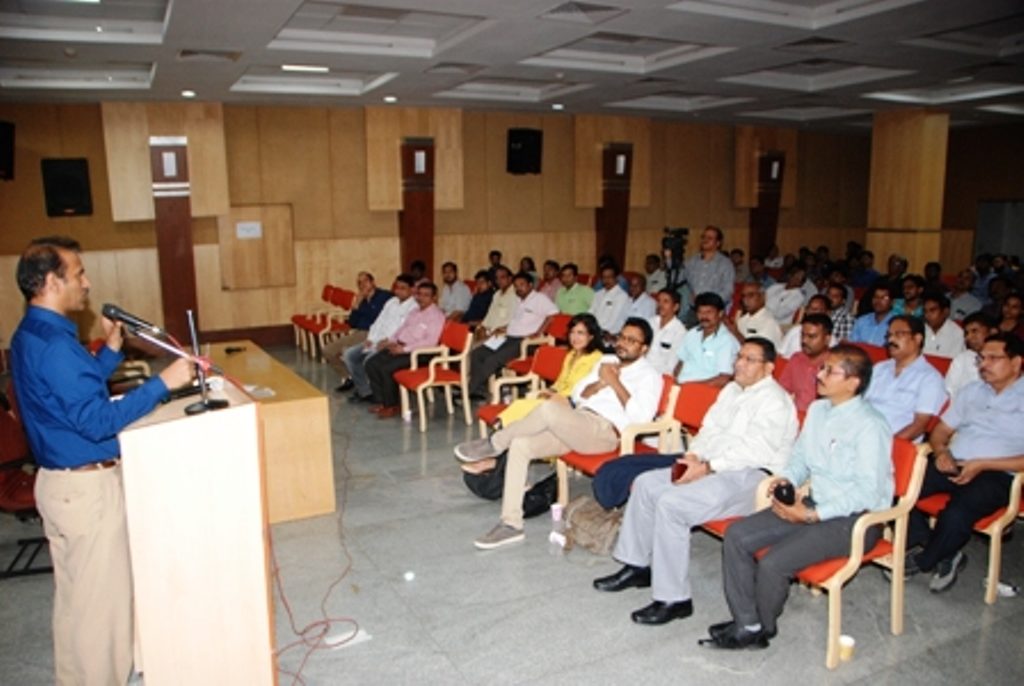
(800, 377)
(530, 317)
(550, 283)
(421, 329)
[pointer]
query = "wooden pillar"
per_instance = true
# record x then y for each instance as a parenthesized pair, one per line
(416, 218)
(168, 157)
(764, 218)
(611, 219)
(908, 174)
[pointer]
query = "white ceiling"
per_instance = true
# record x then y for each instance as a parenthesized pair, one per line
(820, 63)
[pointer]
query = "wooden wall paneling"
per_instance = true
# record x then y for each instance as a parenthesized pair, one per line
(12, 303)
(791, 238)
(295, 166)
(383, 164)
(126, 142)
(721, 211)
(263, 262)
(166, 118)
(919, 247)
(587, 165)
(444, 125)
(854, 173)
(470, 251)
(686, 177)
(348, 179)
(472, 216)
(750, 143)
(560, 211)
(956, 249)
(416, 220)
(653, 214)
(22, 205)
(908, 169)
(592, 133)
(984, 163)
(207, 158)
(242, 154)
(515, 202)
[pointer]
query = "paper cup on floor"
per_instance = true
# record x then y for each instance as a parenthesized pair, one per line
(846, 646)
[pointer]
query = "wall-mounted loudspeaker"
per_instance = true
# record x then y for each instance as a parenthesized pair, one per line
(6, 151)
(66, 186)
(524, 151)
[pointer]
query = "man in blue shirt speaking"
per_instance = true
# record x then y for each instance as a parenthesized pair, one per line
(72, 426)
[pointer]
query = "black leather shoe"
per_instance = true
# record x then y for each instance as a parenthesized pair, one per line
(716, 630)
(662, 613)
(346, 385)
(736, 638)
(627, 577)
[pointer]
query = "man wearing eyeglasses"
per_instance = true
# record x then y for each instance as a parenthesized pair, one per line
(844, 451)
(747, 433)
(978, 443)
(906, 388)
(623, 389)
(872, 327)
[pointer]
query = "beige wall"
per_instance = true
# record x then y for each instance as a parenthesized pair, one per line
(315, 159)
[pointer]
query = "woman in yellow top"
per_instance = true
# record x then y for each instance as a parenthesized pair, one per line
(584, 353)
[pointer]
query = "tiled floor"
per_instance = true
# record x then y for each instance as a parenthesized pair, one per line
(440, 612)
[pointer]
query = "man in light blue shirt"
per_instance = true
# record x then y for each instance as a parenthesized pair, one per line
(873, 326)
(708, 351)
(973, 465)
(845, 450)
(906, 388)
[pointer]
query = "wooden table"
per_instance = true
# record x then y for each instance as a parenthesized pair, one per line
(295, 432)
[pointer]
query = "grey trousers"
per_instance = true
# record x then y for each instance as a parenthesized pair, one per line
(756, 590)
(355, 360)
(484, 362)
(659, 515)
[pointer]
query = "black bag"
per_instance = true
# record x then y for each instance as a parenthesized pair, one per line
(489, 485)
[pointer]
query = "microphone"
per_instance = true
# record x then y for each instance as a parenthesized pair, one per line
(111, 311)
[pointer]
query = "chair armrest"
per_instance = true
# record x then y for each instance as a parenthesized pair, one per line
(534, 342)
(665, 427)
(414, 356)
(498, 383)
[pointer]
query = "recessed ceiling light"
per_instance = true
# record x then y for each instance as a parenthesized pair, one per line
(390, 98)
(309, 68)
(557, 106)
(188, 93)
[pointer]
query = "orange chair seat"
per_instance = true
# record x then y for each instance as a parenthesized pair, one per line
(821, 572)
(718, 527)
(521, 366)
(488, 414)
(589, 464)
(934, 504)
(414, 378)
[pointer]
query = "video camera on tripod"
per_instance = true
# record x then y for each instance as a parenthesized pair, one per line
(673, 247)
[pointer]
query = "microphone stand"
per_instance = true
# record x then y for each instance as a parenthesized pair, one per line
(206, 402)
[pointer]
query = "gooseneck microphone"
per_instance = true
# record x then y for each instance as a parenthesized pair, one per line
(113, 312)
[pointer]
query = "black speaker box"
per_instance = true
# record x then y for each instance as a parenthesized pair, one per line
(6, 151)
(524, 151)
(66, 185)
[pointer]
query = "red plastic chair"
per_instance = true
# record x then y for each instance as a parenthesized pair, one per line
(557, 331)
(302, 320)
(992, 526)
(665, 427)
(876, 353)
(939, 362)
(336, 323)
(547, 365)
(780, 366)
(453, 350)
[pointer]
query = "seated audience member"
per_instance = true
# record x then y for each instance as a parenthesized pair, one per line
(708, 270)
(503, 304)
(983, 274)
(480, 303)
(933, 278)
(978, 442)
(656, 278)
(640, 303)
(942, 336)
(550, 284)
(845, 450)
(528, 266)
(748, 432)
(708, 350)
(421, 329)
(573, 297)
(911, 303)
(622, 389)
(367, 307)
(999, 288)
(758, 273)
(836, 274)
(774, 260)
(864, 274)
(753, 419)
(455, 295)
(906, 389)
(668, 332)
(530, 317)
(585, 350)
(391, 317)
(872, 327)
(494, 261)
(1011, 322)
(610, 304)
(784, 299)
(964, 368)
(603, 262)
(418, 270)
(753, 319)
(818, 304)
(961, 301)
(739, 265)
(800, 377)
(842, 320)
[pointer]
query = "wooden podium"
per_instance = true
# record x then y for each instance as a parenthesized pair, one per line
(197, 527)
